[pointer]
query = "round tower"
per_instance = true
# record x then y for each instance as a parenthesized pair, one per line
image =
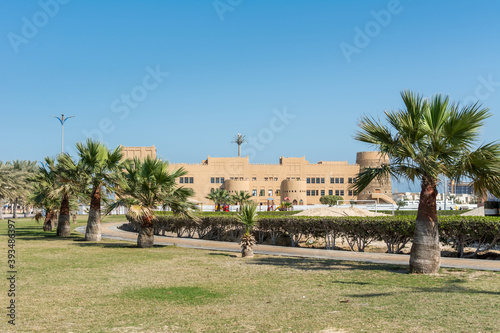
(376, 190)
(295, 190)
(235, 186)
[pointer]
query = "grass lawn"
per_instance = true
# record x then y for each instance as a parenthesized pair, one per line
(67, 285)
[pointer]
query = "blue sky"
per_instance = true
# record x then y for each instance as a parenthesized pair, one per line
(276, 71)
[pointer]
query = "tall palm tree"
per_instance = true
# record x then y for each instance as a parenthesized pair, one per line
(424, 140)
(7, 184)
(248, 217)
(68, 186)
(19, 187)
(241, 198)
(100, 169)
(146, 185)
(239, 140)
(42, 197)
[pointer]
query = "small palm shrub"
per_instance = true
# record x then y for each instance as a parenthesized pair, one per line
(248, 217)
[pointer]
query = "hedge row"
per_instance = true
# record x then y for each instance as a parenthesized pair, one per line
(480, 233)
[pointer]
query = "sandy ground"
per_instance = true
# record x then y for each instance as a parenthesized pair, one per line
(475, 212)
(338, 211)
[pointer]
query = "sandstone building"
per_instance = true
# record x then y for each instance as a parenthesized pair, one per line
(293, 177)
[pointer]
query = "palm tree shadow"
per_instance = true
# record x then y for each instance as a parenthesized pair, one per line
(37, 233)
(309, 264)
(83, 243)
(223, 254)
(451, 287)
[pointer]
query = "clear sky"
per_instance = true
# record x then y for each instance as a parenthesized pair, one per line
(187, 76)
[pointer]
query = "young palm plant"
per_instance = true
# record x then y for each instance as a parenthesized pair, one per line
(146, 185)
(100, 170)
(248, 216)
(424, 140)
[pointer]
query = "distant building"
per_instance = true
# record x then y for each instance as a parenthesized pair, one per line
(140, 152)
(293, 177)
(460, 188)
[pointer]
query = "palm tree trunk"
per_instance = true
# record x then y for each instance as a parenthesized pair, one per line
(14, 210)
(47, 224)
(93, 231)
(146, 236)
(63, 225)
(425, 253)
(239, 150)
(1, 209)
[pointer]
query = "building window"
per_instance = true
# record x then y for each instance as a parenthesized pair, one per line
(275, 179)
(217, 180)
(332, 180)
(262, 193)
(350, 193)
(337, 180)
(337, 192)
(342, 180)
(322, 180)
(313, 180)
(322, 192)
(341, 193)
(313, 192)
(278, 192)
(222, 180)
(212, 180)
(191, 180)
(308, 180)
(330, 192)
(317, 180)
(308, 192)
(265, 179)
(254, 193)
(254, 178)
(270, 193)
(181, 180)
(349, 180)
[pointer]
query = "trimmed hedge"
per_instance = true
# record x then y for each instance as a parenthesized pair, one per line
(480, 233)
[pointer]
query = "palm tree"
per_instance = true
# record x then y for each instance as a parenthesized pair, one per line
(239, 140)
(424, 140)
(241, 198)
(16, 188)
(100, 170)
(42, 197)
(7, 184)
(146, 185)
(248, 216)
(68, 186)
(219, 197)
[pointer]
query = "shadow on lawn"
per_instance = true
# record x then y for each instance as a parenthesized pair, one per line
(37, 233)
(309, 264)
(449, 288)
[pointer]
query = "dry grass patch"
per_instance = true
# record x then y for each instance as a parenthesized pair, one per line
(67, 285)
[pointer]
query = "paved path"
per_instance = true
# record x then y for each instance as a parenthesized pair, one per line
(110, 230)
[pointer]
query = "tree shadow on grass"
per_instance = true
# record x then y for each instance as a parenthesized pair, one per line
(83, 243)
(452, 286)
(311, 264)
(222, 254)
(34, 233)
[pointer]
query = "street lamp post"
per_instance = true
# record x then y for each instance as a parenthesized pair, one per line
(62, 120)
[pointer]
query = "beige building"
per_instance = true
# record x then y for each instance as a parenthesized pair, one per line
(293, 177)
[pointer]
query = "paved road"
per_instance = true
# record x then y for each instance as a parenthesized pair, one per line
(111, 231)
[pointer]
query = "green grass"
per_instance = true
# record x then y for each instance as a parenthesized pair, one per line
(68, 285)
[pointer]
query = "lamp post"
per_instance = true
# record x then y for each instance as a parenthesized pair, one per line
(62, 120)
